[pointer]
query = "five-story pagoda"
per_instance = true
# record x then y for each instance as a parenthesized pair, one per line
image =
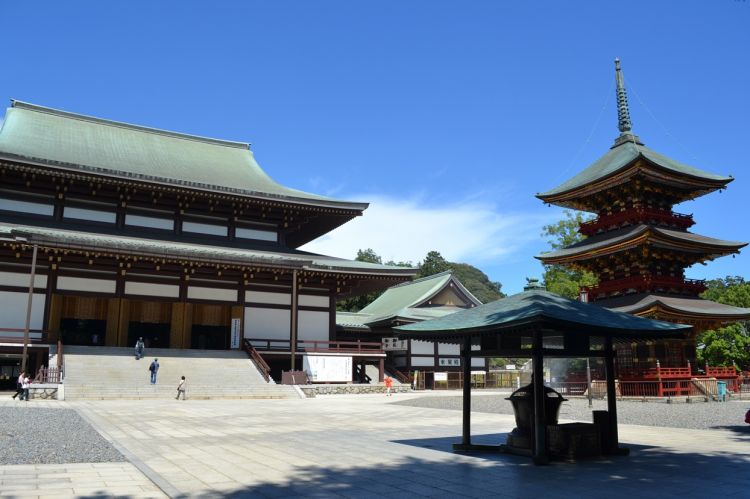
(637, 246)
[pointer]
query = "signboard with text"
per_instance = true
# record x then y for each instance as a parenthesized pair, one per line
(326, 368)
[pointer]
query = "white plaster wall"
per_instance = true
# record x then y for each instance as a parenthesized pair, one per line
(477, 362)
(423, 347)
(423, 361)
(314, 301)
(152, 222)
(261, 235)
(218, 294)
(26, 207)
(448, 349)
(18, 279)
(267, 323)
(266, 297)
(13, 312)
(85, 284)
(313, 325)
(214, 230)
(151, 289)
(92, 215)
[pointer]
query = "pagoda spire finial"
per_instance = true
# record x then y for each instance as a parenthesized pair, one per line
(623, 111)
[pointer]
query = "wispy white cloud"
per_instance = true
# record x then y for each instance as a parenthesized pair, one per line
(406, 229)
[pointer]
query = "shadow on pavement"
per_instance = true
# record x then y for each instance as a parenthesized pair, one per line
(647, 472)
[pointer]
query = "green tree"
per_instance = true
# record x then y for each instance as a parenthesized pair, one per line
(471, 277)
(562, 280)
(729, 345)
(433, 263)
(357, 303)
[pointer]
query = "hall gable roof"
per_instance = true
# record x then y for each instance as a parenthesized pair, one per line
(68, 141)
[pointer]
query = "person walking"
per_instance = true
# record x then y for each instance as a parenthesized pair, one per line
(25, 385)
(19, 387)
(388, 385)
(154, 368)
(181, 388)
(139, 346)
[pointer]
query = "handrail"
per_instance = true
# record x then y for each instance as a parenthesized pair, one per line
(635, 215)
(43, 335)
(643, 283)
(362, 347)
(263, 367)
(402, 378)
(49, 375)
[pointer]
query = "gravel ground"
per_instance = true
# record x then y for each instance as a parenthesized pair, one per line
(696, 415)
(35, 435)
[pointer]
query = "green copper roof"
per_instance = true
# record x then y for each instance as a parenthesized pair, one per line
(622, 156)
(63, 140)
(198, 252)
(620, 236)
(639, 302)
(534, 306)
(412, 294)
(403, 301)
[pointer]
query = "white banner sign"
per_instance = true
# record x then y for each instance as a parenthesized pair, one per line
(441, 376)
(235, 336)
(324, 368)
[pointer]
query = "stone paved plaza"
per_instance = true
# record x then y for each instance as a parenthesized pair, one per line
(362, 446)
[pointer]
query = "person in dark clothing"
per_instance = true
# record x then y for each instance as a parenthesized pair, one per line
(154, 368)
(139, 346)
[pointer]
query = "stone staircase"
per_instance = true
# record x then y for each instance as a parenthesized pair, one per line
(113, 373)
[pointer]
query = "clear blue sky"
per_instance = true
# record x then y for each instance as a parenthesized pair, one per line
(447, 116)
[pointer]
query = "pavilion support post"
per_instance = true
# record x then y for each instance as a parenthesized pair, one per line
(541, 455)
(293, 322)
(466, 364)
(381, 370)
(609, 366)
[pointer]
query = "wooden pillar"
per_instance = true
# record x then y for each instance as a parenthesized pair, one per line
(293, 322)
(609, 366)
(53, 319)
(113, 322)
(187, 325)
(466, 365)
(176, 325)
(381, 370)
(123, 324)
(540, 418)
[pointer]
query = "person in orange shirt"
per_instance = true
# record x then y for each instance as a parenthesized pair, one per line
(388, 385)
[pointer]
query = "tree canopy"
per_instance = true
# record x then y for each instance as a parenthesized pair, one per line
(471, 277)
(729, 345)
(563, 280)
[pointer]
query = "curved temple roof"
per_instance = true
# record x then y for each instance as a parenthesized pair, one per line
(622, 156)
(531, 307)
(197, 252)
(685, 306)
(64, 140)
(610, 242)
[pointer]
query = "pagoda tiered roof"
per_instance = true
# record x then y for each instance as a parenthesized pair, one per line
(615, 241)
(621, 165)
(682, 308)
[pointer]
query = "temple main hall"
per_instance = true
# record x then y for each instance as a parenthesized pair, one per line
(128, 231)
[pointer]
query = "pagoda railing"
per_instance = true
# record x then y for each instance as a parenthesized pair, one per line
(632, 216)
(648, 283)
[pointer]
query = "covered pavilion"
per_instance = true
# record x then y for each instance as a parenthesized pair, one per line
(537, 323)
